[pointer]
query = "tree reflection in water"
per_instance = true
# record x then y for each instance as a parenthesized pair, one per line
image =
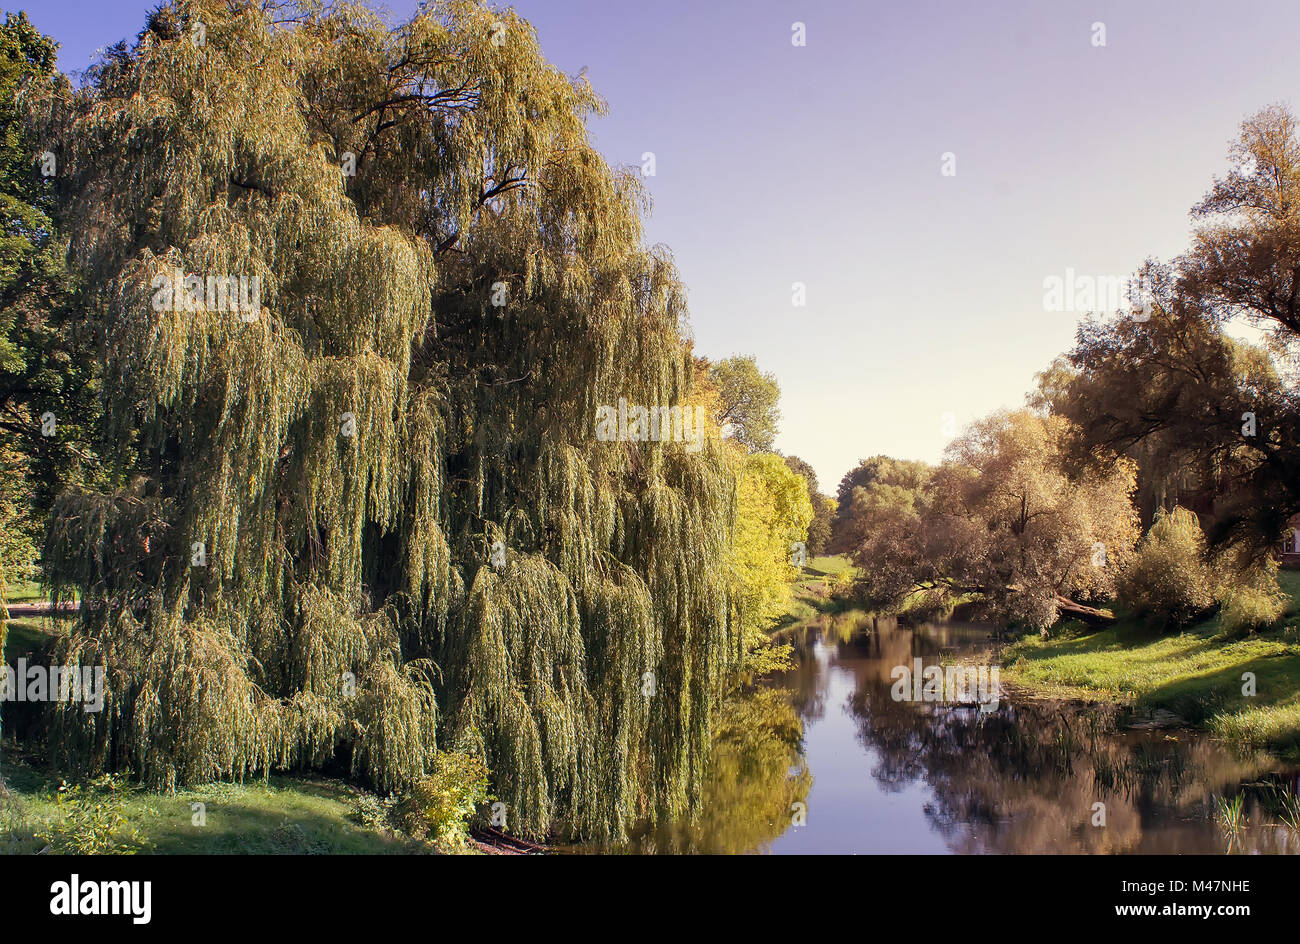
(1026, 777)
(875, 774)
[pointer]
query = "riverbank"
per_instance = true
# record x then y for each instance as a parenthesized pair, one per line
(1200, 676)
(286, 815)
(818, 590)
(283, 816)
(1193, 679)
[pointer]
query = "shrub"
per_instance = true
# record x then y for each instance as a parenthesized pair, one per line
(1252, 600)
(372, 812)
(1169, 582)
(842, 584)
(439, 806)
(1069, 629)
(91, 822)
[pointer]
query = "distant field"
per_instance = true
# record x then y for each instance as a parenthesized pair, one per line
(26, 591)
(811, 591)
(23, 591)
(831, 565)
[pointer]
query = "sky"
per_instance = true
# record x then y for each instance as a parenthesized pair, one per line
(822, 164)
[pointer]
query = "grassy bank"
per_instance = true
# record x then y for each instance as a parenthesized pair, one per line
(811, 594)
(1197, 675)
(24, 591)
(287, 815)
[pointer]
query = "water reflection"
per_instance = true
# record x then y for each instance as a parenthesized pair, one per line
(756, 784)
(891, 776)
(824, 760)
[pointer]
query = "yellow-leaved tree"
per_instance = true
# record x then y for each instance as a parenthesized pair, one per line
(772, 517)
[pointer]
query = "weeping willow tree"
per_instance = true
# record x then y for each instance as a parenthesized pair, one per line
(363, 511)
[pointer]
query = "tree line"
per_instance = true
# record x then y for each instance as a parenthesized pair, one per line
(1158, 418)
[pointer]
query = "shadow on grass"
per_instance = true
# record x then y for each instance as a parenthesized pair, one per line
(244, 828)
(26, 636)
(1197, 675)
(1121, 637)
(287, 816)
(1201, 696)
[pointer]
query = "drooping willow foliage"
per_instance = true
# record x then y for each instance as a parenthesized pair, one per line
(373, 515)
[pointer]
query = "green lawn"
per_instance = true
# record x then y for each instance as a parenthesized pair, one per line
(811, 592)
(288, 815)
(28, 634)
(832, 565)
(23, 591)
(1197, 675)
(28, 591)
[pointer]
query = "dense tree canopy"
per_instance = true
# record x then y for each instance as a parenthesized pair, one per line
(774, 505)
(873, 483)
(1176, 391)
(773, 514)
(364, 511)
(823, 506)
(48, 396)
(1004, 522)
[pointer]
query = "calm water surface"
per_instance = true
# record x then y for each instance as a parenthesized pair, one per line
(898, 777)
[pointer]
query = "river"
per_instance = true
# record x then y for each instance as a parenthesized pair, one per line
(872, 774)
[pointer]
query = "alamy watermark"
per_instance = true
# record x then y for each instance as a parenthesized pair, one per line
(952, 684)
(1084, 293)
(624, 423)
(176, 291)
(70, 683)
(77, 897)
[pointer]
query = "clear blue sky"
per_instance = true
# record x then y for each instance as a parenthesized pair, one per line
(821, 165)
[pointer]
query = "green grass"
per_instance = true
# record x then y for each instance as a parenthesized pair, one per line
(1197, 675)
(28, 634)
(23, 591)
(832, 565)
(811, 592)
(28, 591)
(288, 815)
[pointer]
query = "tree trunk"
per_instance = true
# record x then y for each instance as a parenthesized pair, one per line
(1088, 614)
